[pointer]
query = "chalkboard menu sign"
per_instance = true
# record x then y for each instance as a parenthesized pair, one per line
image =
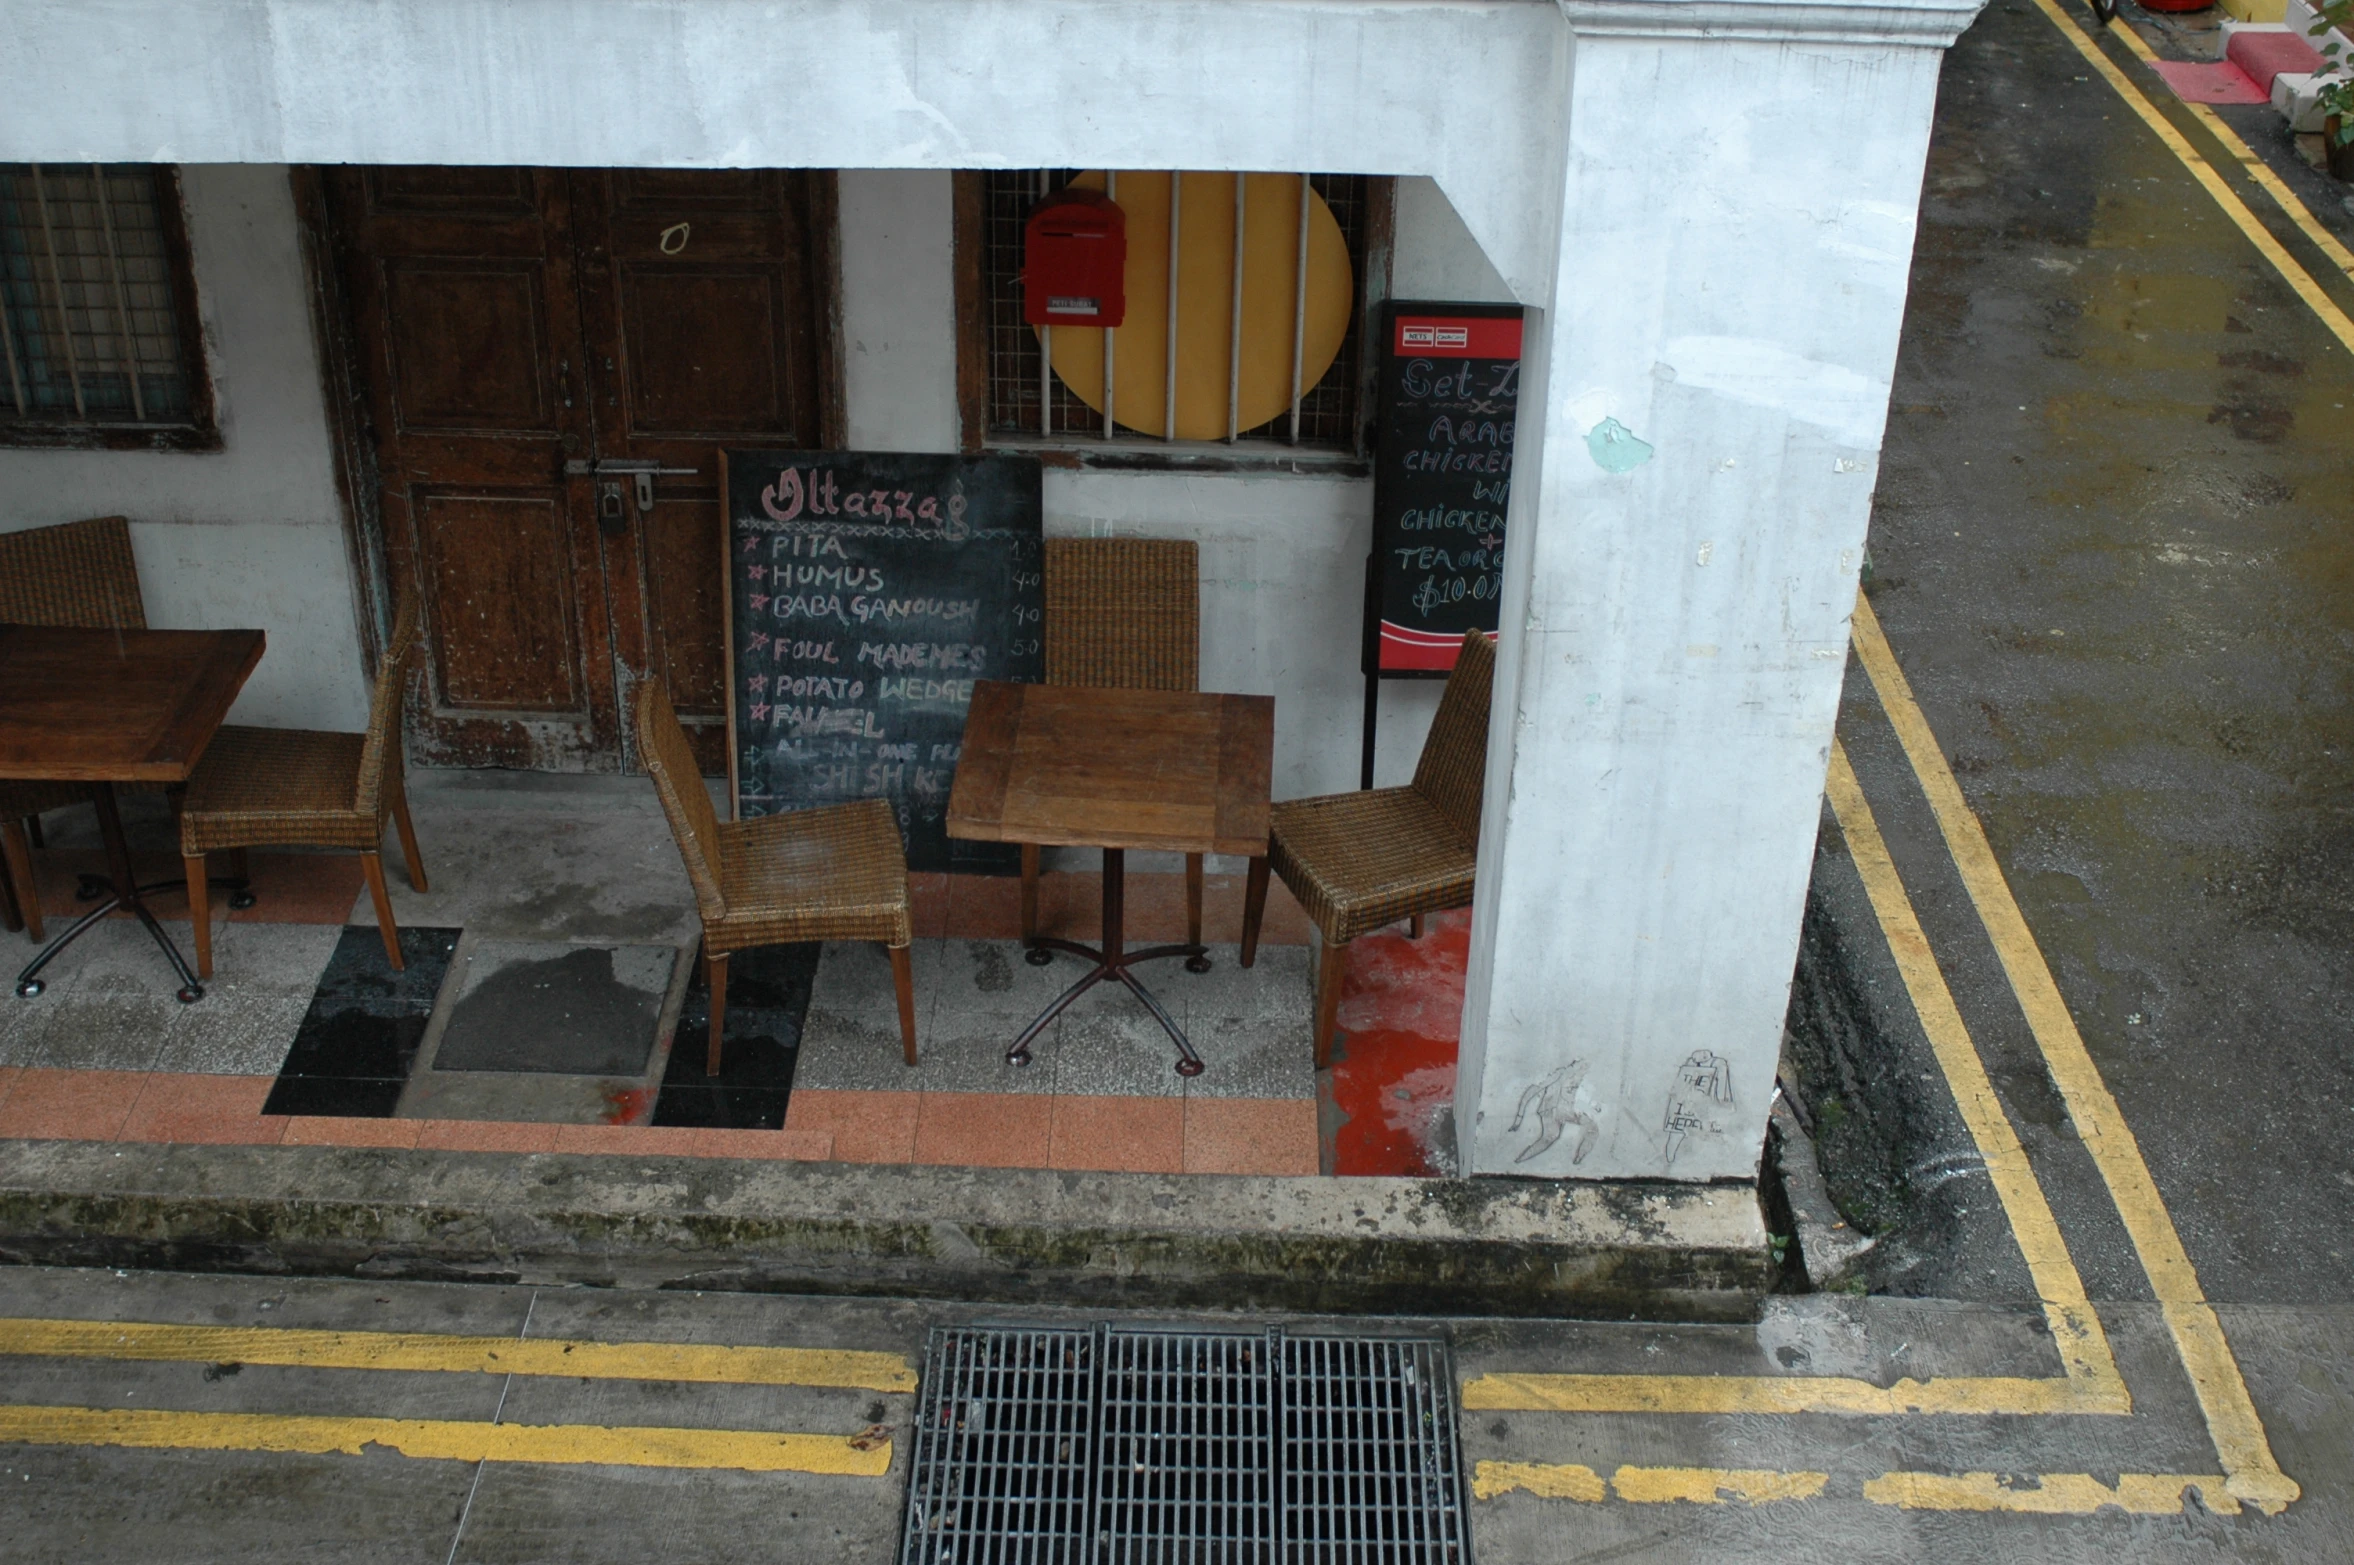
(1450, 391)
(866, 593)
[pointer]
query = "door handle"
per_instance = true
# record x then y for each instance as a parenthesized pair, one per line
(643, 475)
(611, 520)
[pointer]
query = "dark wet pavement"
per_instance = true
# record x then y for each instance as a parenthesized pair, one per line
(2111, 548)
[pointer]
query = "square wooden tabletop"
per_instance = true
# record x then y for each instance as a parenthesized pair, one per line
(1074, 766)
(116, 705)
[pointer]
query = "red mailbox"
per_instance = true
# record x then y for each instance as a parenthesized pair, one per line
(1075, 260)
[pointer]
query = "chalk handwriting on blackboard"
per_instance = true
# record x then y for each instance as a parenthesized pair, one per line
(869, 592)
(1450, 386)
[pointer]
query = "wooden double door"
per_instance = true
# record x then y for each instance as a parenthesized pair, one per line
(551, 359)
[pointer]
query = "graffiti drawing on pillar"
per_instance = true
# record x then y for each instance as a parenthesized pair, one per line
(1555, 1100)
(1698, 1100)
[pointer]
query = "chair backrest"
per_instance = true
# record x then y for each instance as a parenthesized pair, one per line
(1454, 764)
(75, 573)
(1123, 612)
(387, 704)
(670, 760)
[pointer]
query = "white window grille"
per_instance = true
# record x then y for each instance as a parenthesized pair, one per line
(1027, 402)
(94, 311)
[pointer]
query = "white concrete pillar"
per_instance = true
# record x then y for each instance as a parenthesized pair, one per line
(1700, 424)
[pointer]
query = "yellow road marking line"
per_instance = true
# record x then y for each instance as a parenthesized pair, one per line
(443, 1440)
(686, 1361)
(2252, 165)
(1646, 1485)
(2054, 1494)
(1777, 1394)
(2046, 1494)
(2091, 1383)
(2233, 207)
(2198, 1336)
(2076, 1330)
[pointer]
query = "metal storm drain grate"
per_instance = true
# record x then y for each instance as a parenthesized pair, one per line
(1145, 1447)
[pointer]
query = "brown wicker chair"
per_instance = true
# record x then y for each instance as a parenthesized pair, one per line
(259, 786)
(76, 573)
(1122, 613)
(837, 872)
(1358, 861)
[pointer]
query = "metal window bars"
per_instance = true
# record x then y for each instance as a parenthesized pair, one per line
(1027, 402)
(89, 323)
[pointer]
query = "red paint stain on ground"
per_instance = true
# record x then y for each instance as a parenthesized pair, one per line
(1392, 1083)
(629, 1106)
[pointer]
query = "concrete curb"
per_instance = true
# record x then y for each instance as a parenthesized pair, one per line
(1485, 1247)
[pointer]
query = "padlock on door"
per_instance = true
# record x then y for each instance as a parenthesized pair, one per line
(612, 519)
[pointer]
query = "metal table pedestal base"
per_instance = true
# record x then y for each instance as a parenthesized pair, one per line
(1113, 961)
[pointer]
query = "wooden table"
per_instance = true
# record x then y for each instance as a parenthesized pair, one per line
(1155, 770)
(109, 706)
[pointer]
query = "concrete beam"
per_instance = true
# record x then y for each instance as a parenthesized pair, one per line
(1020, 1236)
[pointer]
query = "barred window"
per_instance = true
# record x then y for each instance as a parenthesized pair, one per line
(97, 319)
(1260, 346)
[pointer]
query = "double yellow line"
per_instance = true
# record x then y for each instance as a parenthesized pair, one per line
(2090, 1382)
(2211, 179)
(866, 1454)
(2250, 1471)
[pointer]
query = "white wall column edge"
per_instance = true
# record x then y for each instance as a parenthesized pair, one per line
(1703, 401)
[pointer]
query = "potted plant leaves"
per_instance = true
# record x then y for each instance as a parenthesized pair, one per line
(2331, 19)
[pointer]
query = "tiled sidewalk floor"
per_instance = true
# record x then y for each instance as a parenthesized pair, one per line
(976, 1129)
(109, 1055)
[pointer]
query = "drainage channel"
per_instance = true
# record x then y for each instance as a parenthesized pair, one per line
(1141, 1446)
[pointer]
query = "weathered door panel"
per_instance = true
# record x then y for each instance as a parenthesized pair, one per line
(700, 295)
(468, 324)
(520, 327)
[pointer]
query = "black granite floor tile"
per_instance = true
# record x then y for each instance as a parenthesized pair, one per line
(359, 974)
(722, 1108)
(353, 1042)
(767, 1001)
(358, 1042)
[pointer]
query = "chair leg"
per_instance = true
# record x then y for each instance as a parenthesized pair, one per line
(1328, 975)
(715, 978)
(1414, 927)
(201, 911)
(409, 853)
(1193, 899)
(1254, 908)
(372, 865)
(16, 868)
(903, 979)
(1029, 892)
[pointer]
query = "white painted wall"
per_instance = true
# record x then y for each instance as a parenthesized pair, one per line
(1435, 255)
(1462, 90)
(899, 309)
(252, 534)
(1676, 633)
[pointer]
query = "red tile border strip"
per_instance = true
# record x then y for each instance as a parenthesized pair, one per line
(966, 1129)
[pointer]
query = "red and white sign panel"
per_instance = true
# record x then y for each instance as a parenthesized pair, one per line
(1458, 337)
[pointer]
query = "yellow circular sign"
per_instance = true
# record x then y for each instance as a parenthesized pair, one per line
(1204, 331)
